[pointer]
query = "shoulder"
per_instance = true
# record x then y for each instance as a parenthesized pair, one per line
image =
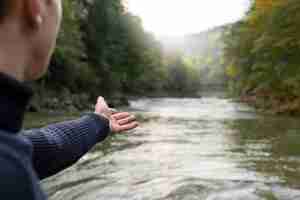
(16, 180)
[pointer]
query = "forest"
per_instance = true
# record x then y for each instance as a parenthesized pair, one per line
(103, 49)
(262, 56)
(205, 51)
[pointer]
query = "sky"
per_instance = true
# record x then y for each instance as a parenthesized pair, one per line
(181, 17)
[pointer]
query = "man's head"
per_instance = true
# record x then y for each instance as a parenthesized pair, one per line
(28, 31)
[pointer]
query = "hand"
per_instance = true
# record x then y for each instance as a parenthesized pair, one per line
(119, 122)
(122, 121)
(102, 108)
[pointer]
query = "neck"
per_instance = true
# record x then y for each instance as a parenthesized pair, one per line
(13, 101)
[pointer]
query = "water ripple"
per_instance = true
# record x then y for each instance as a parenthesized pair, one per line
(211, 148)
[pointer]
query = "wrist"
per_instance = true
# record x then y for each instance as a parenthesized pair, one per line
(105, 115)
(100, 123)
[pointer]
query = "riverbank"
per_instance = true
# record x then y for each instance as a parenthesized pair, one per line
(273, 104)
(41, 119)
(65, 101)
(59, 102)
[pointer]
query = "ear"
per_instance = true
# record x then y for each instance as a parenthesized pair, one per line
(34, 12)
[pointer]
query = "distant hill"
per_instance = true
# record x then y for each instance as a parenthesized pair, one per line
(204, 42)
(205, 50)
(195, 44)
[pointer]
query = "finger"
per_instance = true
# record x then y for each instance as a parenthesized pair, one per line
(129, 126)
(102, 101)
(127, 120)
(119, 116)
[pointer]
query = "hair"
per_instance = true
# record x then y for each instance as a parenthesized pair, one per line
(4, 7)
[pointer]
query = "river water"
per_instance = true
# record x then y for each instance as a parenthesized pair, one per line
(209, 148)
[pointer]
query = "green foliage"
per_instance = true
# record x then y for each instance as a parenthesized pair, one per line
(126, 58)
(205, 50)
(102, 49)
(265, 48)
(183, 76)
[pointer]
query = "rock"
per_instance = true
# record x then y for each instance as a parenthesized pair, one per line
(55, 101)
(125, 101)
(117, 102)
(35, 105)
(68, 102)
(72, 109)
(33, 108)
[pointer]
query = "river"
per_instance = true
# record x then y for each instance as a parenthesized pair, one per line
(209, 148)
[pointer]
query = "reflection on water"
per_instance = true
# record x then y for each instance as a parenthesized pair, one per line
(210, 148)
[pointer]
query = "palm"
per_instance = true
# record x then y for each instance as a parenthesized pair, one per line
(115, 127)
(120, 122)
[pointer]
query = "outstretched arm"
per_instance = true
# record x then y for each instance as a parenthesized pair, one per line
(58, 146)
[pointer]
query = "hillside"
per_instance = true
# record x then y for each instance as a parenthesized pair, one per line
(203, 50)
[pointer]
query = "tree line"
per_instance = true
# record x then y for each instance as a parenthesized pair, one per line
(205, 51)
(262, 55)
(103, 49)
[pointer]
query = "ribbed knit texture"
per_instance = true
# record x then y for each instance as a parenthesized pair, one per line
(58, 146)
(38, 153)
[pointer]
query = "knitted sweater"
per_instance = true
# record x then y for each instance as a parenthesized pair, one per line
(36, 154)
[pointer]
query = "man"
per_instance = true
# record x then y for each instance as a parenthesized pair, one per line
(28, 30)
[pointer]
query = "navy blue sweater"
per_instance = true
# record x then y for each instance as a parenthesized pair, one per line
(33, 155)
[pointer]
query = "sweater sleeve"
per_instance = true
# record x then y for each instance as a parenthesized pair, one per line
(58, 146)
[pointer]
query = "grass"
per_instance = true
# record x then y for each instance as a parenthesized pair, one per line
(37, 120)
